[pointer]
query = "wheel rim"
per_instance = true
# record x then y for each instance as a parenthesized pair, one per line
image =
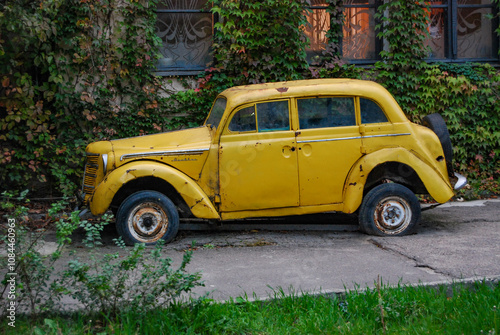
(148, 222)
(392, 215)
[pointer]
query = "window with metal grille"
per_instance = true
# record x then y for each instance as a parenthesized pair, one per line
(463, 30)
(460, 31)
(186, 30)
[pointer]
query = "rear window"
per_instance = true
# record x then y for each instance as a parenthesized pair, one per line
(326, 112)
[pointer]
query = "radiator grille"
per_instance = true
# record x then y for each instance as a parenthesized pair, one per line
(89, 179)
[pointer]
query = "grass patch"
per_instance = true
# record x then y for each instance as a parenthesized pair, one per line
(403, 310)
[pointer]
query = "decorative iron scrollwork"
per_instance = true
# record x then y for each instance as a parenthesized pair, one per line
(186, 31)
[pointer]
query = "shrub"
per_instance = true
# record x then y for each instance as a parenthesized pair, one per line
(136, 279)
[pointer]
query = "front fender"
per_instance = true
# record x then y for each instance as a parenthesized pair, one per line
(438, 187)
(188, 189)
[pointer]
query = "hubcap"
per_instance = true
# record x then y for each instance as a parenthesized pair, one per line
(392, 215)
(148, 222)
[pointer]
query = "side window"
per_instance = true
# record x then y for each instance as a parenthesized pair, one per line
(273, 116)
(326, 112)
(243, 120)
(371, 112)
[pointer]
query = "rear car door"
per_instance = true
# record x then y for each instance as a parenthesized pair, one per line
(329, 144)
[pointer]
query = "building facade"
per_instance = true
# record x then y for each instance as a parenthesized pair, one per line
(459, 31)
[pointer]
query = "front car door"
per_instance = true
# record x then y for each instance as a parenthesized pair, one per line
(258, 158)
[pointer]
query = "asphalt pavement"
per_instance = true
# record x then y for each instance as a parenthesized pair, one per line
(326, 253)
(454, 242)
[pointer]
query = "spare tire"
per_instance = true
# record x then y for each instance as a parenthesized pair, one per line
(436, 123)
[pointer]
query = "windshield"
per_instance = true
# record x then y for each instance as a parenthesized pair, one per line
(216, 113)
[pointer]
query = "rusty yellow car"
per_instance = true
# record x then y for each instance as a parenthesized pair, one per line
(277, 149)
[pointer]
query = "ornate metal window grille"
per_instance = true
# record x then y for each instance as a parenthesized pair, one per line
(318, 24)
(360, 43)
(186, 30)
(462, 30)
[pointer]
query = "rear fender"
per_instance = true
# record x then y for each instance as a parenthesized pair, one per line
(439, 188)
(193, 195)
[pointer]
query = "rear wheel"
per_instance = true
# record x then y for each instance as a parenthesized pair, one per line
(147, 217)
(389, 210)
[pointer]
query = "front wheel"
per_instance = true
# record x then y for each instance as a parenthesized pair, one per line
(389, 210)
(146, 217)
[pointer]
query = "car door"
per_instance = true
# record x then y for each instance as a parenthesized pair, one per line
(258, 159)
(329, 144)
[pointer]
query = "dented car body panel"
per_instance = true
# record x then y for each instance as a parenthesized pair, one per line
(197, 200)
(275, 149)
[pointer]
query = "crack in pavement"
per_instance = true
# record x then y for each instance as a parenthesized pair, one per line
(418, 263)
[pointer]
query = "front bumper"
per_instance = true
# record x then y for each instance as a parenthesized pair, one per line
(461, 182)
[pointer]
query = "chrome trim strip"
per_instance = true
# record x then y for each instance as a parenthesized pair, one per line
(353, 138)
(165, 153)
(461, 182)
(105, 162)
(388, 135)
(331, 139)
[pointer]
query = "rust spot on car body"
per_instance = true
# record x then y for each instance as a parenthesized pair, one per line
(130, 170)
(282, 89)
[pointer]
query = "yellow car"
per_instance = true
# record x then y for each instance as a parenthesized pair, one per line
(277, 149)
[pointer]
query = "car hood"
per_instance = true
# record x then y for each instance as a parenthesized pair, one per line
(165, 144)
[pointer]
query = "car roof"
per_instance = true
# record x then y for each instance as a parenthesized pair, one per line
(314, 87)
(241, 95)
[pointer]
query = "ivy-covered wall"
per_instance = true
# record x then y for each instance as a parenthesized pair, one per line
(72, 72)
(76, 71)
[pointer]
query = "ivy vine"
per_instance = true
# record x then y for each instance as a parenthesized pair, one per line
(76, 71)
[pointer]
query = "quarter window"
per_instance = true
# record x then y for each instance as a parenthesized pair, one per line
(326, 112)
(371, 112)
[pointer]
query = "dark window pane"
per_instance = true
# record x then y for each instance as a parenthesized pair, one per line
(475, 33)
(273, 116)
(359, 34)
(318, 23)
(326, 112)
(437, 31)
(473, 2)
(371, 112)
(359, 2)
(243, 120)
